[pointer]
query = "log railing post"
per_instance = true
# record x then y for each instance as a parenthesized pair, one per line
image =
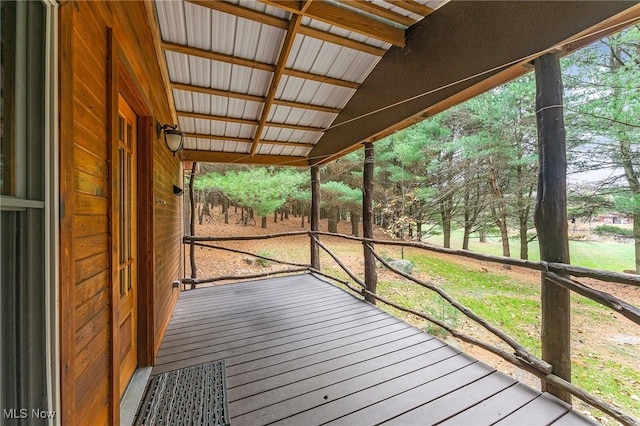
(370, 275)
(315, 215)
(551, 218)
(192, 224)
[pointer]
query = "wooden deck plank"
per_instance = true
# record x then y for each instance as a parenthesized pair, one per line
(496, 407)
(298, 398)
(433, 381)
(209, 310)
(450, 397)
(286, 353)
(545, 409)
(573, 418)
(243, 294)
(361, 349)
(256, 351)
(270, 299)
(301, 351)
(247, 327)
(261, 340)
(345, 366)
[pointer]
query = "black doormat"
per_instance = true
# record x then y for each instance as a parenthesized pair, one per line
(188, 396)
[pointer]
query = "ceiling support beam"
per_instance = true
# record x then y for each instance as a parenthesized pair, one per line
(223, 118)
(413, 6)
(243, 12)
(217, 92)
(344, 18)
(342, 41)
(274, 21)
(214, 56)
(457, 34)
(201, 116)
(287, 45)
(379, 11)
(247, 140)
(302, 105)
(321, 78)
(252, 98)
(239, 158)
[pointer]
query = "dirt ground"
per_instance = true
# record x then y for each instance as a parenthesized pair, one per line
(617, 337)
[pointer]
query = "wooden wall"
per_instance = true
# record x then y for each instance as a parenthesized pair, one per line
(85, 288)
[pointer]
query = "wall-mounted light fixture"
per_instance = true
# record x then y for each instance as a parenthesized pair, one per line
(173, 137)
(177, 190)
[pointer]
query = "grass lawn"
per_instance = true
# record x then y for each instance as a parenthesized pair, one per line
(611, 256)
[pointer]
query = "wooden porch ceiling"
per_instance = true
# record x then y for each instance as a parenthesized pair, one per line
(303, 82)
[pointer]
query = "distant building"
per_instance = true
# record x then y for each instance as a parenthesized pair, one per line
(616, 219)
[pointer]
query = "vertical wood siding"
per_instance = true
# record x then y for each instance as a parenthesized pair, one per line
(85, 240)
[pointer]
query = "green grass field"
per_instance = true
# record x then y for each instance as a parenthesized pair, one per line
(611, 256)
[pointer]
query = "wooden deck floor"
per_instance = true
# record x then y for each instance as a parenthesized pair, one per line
(300, 351)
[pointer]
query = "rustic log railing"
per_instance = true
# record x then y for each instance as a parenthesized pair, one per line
(521, 357)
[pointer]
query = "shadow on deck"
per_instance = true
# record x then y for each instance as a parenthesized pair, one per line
(301, 351)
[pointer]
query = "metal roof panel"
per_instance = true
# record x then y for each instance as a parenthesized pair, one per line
(223, 32)
(171, 19)
(198, 25)
(178, 67)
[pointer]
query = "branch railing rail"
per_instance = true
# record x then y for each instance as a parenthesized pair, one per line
(521, 357)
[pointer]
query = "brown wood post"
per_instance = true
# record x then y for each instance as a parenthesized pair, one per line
(370, 275)
(551, 218)
(192, 224)
(315, 215)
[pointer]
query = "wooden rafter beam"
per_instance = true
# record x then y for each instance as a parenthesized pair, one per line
(413, 6)
(293, 127)
(282, 143)
(207, 54)
(253, 98)
(341, 41)
(379, 11)
(274, 21)
(223, 118)
(243, 12)
(247, 140)
(302, 105)
(217, 138)
(226, 119)
(215, 56)
(321, 78)
(233, 157)
(287, 45)
(345, 18)
(217, 92)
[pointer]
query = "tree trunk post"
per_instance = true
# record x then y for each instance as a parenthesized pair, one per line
(315, 215)
(355, 223)
(370, 275)
(192, 224)
(551, 218)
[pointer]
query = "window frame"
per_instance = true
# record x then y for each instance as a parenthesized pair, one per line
(45, 201)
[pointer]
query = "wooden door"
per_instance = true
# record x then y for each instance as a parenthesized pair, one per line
(125, 219)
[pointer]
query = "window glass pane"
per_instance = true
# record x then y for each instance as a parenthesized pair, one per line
(23, 381)
(22, 112)
(122, 206)
(7, 93)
